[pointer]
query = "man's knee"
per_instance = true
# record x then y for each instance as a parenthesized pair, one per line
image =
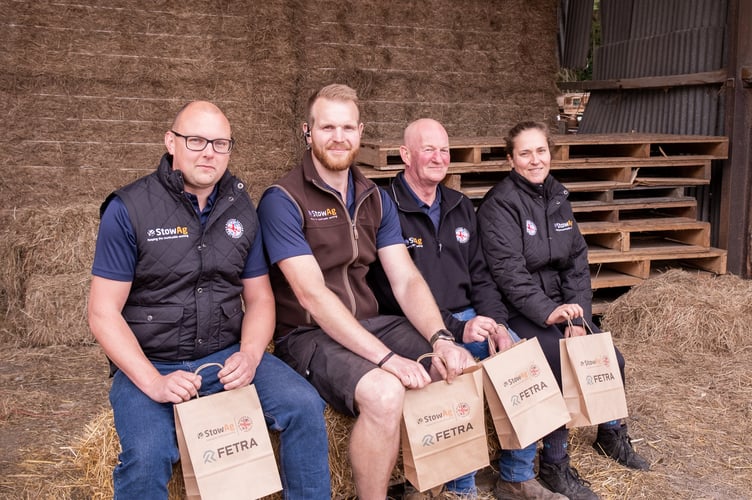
(379, 392)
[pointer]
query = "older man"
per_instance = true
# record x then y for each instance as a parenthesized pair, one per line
(440, 230)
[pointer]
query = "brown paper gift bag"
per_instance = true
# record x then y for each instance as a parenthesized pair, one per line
(225, 450)
(523, 396)
(444, 431)
(591, 382)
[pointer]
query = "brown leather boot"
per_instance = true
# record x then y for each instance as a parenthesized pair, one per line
(525, 490)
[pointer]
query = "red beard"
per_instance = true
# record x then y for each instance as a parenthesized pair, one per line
(335, 164)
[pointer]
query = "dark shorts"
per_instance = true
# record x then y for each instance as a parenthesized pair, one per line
(334, 370)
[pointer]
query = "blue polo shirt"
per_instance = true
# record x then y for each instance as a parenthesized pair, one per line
(434, 210)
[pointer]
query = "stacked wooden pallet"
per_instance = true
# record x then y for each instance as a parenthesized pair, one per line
(627, 191)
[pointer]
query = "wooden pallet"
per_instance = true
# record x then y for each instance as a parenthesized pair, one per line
(384, 154)
(611, 279)
(635, 208)
(598, 180)
(627, 192)
(619, 235)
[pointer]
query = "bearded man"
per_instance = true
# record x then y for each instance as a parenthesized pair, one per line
(323, 224)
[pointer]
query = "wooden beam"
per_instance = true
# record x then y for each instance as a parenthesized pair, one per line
(651, 82)
(735, 226)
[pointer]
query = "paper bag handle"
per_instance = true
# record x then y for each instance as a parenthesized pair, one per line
(492, 346)
(206, 365)
(584, 323)
(430, 355)
(492, 351)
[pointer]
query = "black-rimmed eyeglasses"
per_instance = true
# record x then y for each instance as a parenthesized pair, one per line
(198, 143)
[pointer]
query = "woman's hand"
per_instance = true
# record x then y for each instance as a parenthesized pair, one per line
(565, 312)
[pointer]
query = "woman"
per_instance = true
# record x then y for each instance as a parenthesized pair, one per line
(538, 259)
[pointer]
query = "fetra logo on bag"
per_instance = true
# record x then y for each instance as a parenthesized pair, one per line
(447, 418)
(526, 384)
(244, 425)
(598, 364)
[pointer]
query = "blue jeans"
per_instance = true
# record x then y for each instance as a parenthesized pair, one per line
(514, 465)
(149, 446)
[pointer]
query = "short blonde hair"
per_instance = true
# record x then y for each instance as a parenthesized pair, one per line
(334, 92)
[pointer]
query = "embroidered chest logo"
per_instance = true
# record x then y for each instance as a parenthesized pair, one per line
(234, 228)
(166, 233)
(563, 226)
(326, 214)
(531, 228)
(462, 234)
(414, 242)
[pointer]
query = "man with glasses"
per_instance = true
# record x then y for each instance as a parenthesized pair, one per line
(179, 280)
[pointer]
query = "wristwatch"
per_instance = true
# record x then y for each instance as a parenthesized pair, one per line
(442, 334)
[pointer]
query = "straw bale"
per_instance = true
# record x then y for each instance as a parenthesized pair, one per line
(96, 455)
(54, 311)
(44, 241)
(339, 428)
(52, 239)
(694, 311)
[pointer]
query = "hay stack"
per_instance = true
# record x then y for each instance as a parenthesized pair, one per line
(693, 311)
(38, 245)
(54, 311)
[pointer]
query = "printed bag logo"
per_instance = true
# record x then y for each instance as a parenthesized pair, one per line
(603, 365)
(244, 424)
(447, 418)
(243, 446)
(525, 385)
(446, 434)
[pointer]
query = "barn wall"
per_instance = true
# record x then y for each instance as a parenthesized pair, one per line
(88, 88)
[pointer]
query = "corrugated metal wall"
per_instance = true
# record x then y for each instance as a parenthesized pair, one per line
(645, 38)
(575, 21)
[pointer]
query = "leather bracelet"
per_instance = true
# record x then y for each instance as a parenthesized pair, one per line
(385, 358)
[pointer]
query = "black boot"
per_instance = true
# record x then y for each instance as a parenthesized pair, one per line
(561, 478)
(615, 443)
